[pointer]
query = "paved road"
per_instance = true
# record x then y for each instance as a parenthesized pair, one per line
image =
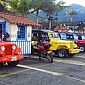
(64, 71)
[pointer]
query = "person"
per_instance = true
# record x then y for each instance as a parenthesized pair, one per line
(5, 36)
(2, 36)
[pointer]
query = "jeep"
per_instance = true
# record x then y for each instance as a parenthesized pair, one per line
(79, 39)
(61, 48)
(9, 53)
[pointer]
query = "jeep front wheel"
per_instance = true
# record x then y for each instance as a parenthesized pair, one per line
(13, 63)
(62, 53)
(1, 63)
(82, 49)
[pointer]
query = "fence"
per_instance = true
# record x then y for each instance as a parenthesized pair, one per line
(24, 45)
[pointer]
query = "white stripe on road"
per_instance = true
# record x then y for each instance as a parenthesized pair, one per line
(76, 79)
(41, 70)
(50, 72)
(79, 56)
(70, 62)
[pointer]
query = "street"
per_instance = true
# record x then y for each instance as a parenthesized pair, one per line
(31, 71)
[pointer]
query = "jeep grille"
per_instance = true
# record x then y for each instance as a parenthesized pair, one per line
(8, 50)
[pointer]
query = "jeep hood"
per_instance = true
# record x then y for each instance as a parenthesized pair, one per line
(5, 43)
(58, 40)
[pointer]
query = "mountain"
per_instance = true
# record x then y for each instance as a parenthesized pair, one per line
(62, 15)
(80, 13)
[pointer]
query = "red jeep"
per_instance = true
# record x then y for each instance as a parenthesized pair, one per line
(81, 45)
(9, 53)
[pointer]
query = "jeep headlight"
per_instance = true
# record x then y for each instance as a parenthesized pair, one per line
(13, 47)
(2, 48)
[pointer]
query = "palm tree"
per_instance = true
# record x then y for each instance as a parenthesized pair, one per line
(19, 6)
(3, 7)
(50, 7)
(36, 6)
(71, 14)
(23, 7)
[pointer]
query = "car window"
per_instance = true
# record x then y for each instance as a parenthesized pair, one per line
(70, 37)
(51, 35)
(44, 36)
(34, 36)
(54, 35)
(75, 37)
(63, 36)
(83, 37)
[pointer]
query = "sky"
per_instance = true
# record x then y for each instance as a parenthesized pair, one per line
(69, 2)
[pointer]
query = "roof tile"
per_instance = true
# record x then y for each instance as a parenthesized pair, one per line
(18, 19)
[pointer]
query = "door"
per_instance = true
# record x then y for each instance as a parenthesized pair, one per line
(2, 28)
(0, 31)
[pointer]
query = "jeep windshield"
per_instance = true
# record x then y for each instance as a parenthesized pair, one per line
(63, 36)
(43, 36)
(71, 36)
(81, 36)
(54, 35)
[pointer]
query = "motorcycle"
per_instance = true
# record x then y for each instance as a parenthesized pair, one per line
(44, 51)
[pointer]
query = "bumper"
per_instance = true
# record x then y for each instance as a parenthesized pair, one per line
(10, 58)
(74, 51)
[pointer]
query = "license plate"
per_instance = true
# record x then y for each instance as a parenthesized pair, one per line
(14, 58)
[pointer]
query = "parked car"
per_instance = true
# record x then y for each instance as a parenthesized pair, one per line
(81, 45)
(68, 36)
(80, 36)
(9, 53)
(62, 35)
(81, 42)
(61, 48)
(37, 37)
(79, 39)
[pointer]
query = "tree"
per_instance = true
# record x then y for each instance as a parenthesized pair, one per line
(19, 6)
(23, 7)
(50, 7)
(71, 14)
(13, 6)
(4, 6)
(36, 6)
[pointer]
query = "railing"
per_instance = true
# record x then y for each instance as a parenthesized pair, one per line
(24, 45)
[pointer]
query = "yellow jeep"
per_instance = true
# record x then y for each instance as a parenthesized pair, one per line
(61, 48)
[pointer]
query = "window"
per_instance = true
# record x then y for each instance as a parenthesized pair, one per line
(34, 36)
(63, 36)
(43, 36)
(21, 32)
(55, 35)
(70, 37)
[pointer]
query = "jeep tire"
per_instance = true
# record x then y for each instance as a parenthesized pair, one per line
(62, 53)
(13, 63)
(82, 49)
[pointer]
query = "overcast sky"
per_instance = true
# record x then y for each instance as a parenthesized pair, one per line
(69, 2)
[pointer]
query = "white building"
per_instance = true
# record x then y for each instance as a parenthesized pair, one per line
(19, 28)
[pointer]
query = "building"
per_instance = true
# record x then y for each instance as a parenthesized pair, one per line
(19, 28)
(77, 26)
